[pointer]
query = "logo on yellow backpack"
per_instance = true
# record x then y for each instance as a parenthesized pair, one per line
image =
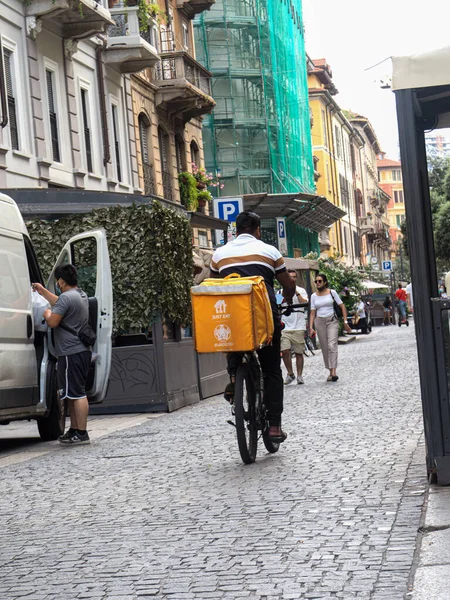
(221, 307)
(222, 333)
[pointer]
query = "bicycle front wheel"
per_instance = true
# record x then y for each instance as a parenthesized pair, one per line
(245, 413)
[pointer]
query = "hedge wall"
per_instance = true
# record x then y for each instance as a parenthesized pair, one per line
(150, 249)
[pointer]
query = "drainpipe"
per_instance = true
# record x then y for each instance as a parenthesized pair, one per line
(4, 104)
(101, 93)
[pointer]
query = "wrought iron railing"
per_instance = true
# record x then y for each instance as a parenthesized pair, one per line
(167, 185)
(179, 65)
(149, 181)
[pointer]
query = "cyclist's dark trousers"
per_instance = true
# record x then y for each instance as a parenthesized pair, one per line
(269, 358)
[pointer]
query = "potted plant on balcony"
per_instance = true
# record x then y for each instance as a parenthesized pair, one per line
(149, 10)
(203, 197)
(188, 190)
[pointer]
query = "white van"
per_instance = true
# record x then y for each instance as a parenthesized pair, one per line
(28, 388)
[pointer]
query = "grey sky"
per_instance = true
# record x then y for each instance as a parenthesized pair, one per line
(356, 34)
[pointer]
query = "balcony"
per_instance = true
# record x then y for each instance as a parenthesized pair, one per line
(77, 20)
(129, 50)
(194, 7)
(183, 86)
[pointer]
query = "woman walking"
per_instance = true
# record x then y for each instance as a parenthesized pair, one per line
(387, 311)
(327, 325)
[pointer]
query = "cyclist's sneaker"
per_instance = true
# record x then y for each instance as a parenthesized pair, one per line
(76, 439)
(276, 434)
(289, 379)
(229, 393)
(300, 380)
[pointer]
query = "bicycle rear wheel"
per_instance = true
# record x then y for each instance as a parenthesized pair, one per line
(245, 413)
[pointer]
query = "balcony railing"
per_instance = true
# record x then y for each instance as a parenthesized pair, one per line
(129, 50)
(149, 181)
(80, 19)
(195, 7)
(183, 86)
(178, 66)
(167, 185)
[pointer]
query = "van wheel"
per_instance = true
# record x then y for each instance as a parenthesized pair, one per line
(52, 426)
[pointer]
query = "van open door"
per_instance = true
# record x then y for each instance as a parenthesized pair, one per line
(88, 252)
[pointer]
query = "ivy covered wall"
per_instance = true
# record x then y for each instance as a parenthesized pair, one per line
(150, 249)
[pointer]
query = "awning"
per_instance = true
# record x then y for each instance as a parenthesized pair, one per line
(308, 210)
(421, 70)
(373, 285)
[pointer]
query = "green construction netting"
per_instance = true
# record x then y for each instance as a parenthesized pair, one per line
(258, 136)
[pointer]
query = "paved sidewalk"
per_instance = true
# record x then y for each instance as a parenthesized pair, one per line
(432, 572)
(166, 510)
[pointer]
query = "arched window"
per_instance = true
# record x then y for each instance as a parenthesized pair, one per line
(163, 139)
(195, 153)
(147, 169)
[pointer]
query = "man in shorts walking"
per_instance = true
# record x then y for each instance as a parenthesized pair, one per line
(293, 335)
(71, 310)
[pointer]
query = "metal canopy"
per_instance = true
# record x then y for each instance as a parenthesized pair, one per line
(308, 210)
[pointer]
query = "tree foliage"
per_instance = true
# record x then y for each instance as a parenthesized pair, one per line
(150, 249)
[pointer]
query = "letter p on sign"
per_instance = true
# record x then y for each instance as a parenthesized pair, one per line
(228, 210)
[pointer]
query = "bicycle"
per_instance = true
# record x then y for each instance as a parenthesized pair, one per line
(248, 407)
(309, 345)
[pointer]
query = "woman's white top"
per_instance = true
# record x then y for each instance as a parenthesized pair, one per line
(323, 305)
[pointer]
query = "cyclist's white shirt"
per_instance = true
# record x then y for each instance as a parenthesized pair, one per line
(249, 254)
(250, 257)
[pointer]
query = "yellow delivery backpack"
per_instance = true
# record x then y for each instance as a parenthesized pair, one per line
(231, 314)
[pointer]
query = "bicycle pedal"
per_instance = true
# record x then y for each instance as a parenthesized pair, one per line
(231, 423)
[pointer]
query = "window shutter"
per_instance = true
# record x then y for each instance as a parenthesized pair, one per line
(144, 140)
(52, 116)
(11, 101)
(7, 63)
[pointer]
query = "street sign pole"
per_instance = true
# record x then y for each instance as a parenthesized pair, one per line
(281, 235)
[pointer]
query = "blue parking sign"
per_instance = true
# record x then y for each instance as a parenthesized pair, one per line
(387, 265)
(228, 208)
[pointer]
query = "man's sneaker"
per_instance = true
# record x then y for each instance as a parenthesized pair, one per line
(289, 379)
(300, 380)
(75, 439)
(69, 433)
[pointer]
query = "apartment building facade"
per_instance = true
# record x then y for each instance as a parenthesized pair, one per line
(333, 136)
(99, 96)
(373, 221)
(391, 181)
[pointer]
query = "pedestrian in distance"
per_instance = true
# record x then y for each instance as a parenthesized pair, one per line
(401, 297)
(322, 315)
(387, 311)
(70, 310)
(293, 335)
(360, 315)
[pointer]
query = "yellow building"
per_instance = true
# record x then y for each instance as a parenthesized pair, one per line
(323, 107)
(391, 181)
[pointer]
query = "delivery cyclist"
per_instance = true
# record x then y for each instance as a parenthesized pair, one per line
(248, 256)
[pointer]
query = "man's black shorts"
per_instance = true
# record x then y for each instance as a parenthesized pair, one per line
(72, 372)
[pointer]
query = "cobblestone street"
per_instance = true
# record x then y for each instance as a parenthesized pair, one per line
(167, 510)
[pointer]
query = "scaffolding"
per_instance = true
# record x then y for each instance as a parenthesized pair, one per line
(258, 137)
